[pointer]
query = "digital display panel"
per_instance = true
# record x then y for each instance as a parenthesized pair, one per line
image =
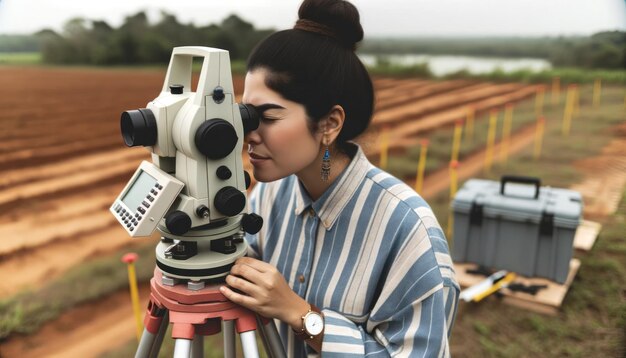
(138, 190)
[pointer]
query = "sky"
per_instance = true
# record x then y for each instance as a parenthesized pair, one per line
(378, 17)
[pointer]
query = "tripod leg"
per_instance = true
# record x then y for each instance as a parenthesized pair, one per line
(248, 343)
(229, 339)
(197, 346)
(156, 323)
(271, 339)
(158, 340)
(182, 348)
(145, 344)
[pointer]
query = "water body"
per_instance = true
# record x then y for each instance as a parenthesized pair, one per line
(441, 65)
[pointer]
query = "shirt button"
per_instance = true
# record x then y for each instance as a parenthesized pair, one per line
(311, 212)
(301, 278)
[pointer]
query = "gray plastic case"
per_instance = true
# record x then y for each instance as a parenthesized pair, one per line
(527, 230)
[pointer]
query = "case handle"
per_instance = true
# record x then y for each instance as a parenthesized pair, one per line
(520, 179)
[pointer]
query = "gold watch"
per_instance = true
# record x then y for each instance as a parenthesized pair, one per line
(312, 324)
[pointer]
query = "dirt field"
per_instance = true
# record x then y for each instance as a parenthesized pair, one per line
(60, 145)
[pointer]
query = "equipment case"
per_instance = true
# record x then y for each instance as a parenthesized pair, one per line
(503, 225)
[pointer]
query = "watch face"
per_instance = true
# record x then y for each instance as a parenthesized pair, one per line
(314, 324)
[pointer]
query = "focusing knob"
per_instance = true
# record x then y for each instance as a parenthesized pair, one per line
(177, 222)
(246, 176)
(230, 201)
(223, 172)
(216, 138)
(251, 223)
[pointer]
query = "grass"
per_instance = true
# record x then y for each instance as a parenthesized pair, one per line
(567, 75)
(25, 312)
(20, 58)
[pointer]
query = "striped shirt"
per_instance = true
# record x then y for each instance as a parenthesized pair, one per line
(369, 253)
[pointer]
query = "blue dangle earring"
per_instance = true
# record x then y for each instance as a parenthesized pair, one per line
(326, 164)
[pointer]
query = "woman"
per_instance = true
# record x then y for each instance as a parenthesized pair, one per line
(350, 259)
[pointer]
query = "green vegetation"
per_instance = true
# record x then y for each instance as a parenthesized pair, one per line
(20, 58)
(137, 41)
(566, 75)
(19, 43)
(28, 310)
(602, 50)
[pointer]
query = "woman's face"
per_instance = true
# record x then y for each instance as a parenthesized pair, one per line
(282, 145)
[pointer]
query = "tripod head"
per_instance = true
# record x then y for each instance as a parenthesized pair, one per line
(194, 191)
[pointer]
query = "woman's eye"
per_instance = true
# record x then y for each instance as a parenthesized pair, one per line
(267, 119)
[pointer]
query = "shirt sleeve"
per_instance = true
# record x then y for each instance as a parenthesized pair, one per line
(412, 317)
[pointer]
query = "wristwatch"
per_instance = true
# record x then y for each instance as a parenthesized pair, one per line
(312, 324)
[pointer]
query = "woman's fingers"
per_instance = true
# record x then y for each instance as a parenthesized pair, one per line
(242, 285)
(255, 264)
(238, 298)
(248, 272)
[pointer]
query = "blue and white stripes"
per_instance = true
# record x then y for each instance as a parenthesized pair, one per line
(370, 254)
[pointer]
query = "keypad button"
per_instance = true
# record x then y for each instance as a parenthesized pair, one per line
(145, 203)
(150, 198)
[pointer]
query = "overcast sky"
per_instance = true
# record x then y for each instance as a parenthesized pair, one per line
(379, 17)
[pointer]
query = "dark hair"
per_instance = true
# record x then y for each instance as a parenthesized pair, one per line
(315, 65)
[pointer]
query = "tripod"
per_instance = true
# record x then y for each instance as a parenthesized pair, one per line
(195, 314)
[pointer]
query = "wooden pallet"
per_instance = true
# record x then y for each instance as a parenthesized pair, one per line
(586, 235)
(546, 301)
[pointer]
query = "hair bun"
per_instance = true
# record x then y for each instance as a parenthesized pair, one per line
(335, 18)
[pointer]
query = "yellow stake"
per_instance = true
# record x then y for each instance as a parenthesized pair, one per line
(421, 166)
(568, 111)
(469, 124)
(539, 101)
(539, 137)
(506, 132)
(453, 189)
(576, 105)
(496, 287)
(384, 147)
(456, 141)
(556, 90)
(491, 139)
(130, 259)
(597, 91)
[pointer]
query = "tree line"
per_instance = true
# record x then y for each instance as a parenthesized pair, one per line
(137, 41)
(603, 50)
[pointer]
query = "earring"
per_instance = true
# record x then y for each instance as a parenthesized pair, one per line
(326, 164)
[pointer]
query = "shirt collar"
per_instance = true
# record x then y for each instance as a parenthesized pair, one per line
(331, 203)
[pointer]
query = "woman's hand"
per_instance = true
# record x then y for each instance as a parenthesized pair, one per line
(264, 291)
